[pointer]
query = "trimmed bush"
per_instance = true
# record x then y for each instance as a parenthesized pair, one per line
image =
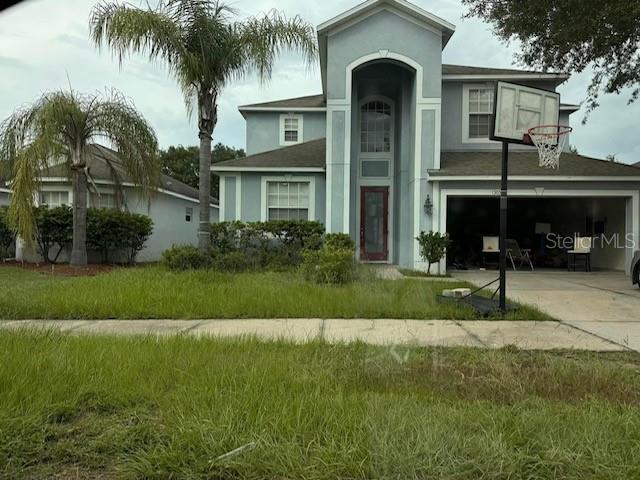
(185, 257)
(54, 228)
(109, 231)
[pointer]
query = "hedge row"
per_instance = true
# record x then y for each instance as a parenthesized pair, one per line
(274, 245)
(109, 231)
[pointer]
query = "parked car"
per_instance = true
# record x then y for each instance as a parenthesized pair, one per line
(635, 269)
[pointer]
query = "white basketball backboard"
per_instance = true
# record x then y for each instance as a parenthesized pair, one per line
(517, 108)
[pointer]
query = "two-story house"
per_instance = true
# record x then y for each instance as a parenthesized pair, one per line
(397, 143)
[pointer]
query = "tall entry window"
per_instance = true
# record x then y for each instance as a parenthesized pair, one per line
(375, 127)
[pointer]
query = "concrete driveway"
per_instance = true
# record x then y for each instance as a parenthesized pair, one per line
(602, 303)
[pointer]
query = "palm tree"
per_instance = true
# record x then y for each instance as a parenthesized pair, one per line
(204, 49)
(59, 126)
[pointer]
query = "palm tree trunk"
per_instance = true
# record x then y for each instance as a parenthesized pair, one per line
(208, 108)
(79, 249)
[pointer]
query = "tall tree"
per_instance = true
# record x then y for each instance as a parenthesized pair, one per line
(204, 49)
(60, 126)
(182, 163)
(572, 35)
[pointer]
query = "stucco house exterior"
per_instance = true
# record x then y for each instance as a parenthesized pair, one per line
(397, 143)
(173, 207)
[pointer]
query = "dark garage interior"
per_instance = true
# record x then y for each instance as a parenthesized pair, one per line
(471, 218)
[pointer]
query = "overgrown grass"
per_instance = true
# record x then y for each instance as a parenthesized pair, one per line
(153, 292)
(142, 407)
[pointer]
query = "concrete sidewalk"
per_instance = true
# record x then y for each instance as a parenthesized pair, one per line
(487, 334)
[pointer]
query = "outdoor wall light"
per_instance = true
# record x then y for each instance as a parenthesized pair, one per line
(428, 205)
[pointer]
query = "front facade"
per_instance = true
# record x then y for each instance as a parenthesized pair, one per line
(397, 143)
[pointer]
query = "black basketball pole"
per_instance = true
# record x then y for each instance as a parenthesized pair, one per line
(503, 227)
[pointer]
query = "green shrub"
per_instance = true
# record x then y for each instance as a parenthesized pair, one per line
(109, 231)
(339, 240)
(433, 246)
(54, 228)
(232, 262)
(6, 234)
(185, 257)
(274, 244)
(329, 265)
(333, 263)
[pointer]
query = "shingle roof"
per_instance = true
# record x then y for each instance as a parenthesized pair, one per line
(303, 155)
(526, 164)
(99, 170)
(319, 101)
(310, 101)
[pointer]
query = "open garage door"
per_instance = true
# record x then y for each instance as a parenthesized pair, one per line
(545, 226)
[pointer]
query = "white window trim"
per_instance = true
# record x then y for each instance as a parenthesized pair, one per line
(297, 116)
(465, 112)
(264, 214)
(53, 188)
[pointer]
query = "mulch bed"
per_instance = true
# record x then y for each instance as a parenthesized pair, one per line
(61, 269)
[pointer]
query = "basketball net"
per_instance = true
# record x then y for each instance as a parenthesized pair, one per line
(550, 141)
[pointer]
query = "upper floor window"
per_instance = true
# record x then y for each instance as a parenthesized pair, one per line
(477, 111)
(290, 129)
(375, 127)
(54, 198)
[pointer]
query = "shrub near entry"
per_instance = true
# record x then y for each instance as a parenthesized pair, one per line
(333, 263)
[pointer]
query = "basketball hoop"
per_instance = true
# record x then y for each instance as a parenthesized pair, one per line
(550, 141)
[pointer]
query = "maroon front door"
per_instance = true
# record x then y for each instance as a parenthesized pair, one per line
(374, 223)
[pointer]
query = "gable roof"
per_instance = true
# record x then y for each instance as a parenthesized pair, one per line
(429, 18)
(101, 172)
(525, 164)
(307, 156)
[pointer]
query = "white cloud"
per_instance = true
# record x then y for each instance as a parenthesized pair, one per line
(44, 44)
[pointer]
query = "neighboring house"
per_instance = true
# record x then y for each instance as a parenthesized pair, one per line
(398, 143)
(174, 207)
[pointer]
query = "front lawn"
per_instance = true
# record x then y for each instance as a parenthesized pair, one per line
(153, 292)
(158, 408)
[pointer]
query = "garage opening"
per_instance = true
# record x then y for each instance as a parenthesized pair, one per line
(544, 226)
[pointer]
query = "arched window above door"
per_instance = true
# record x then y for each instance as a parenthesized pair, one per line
(375, 127)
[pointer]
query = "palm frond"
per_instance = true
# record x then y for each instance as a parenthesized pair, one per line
(261, 40)
(127, 29)
(116, 119)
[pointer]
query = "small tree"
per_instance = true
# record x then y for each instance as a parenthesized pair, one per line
(433, 246)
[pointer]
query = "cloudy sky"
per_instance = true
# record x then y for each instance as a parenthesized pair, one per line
(44, 46)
